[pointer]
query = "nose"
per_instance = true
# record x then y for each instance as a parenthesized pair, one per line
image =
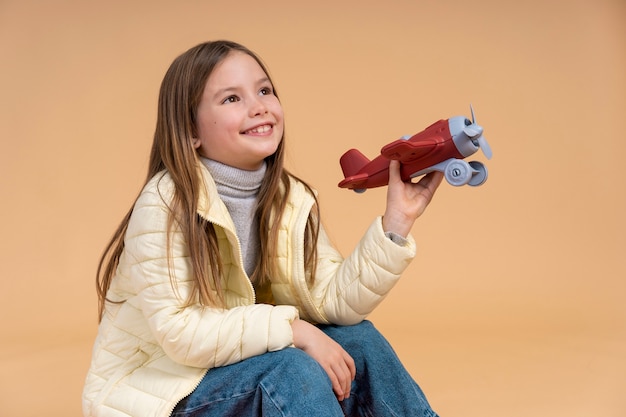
(257, 107)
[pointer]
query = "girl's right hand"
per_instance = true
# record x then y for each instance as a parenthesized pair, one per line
(406, 201)
(337, 363)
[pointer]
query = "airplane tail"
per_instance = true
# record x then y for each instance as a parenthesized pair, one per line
(352, 161)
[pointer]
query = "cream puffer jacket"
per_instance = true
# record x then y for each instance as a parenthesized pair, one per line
(151, 350)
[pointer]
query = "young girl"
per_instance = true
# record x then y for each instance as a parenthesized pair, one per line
(220, 293)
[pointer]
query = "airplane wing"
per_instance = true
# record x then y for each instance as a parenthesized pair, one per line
(407, 151)
(354, 181)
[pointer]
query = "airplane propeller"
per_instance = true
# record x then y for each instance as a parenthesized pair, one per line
(475, 133)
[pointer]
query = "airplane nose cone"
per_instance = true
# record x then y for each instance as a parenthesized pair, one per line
(473, 130)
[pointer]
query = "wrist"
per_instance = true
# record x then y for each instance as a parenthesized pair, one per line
(298, 328)
(395, 226)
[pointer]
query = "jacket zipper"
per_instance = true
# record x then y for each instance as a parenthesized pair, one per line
(188, 392)
(300, 281)
(251, 292)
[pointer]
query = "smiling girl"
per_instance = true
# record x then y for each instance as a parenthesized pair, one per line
(220, 292)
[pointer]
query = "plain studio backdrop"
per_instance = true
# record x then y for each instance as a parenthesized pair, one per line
(514, 305)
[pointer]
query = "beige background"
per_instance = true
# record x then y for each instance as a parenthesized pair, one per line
(515, 305)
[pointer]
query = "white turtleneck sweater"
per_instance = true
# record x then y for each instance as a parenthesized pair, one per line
(239, 189)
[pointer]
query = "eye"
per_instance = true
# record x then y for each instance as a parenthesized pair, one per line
(230, 99)
(265, 91)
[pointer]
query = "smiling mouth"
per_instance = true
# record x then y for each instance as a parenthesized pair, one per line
(259, 129)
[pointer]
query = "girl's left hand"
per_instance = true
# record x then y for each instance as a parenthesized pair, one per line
(337, 363)
(406, 201)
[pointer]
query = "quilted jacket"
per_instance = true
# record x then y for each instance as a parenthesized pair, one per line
(151, 350)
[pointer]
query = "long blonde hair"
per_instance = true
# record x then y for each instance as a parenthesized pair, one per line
(173, 151)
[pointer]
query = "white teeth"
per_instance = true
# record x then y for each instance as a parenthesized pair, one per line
(260, 129)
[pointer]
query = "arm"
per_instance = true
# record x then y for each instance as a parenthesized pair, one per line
(347, 290)
(355, 286)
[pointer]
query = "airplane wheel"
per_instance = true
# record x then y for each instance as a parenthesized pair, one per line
(480, 174)
(458, 172)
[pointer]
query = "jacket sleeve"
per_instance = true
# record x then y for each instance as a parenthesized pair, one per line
(346, 290)
(193, 335)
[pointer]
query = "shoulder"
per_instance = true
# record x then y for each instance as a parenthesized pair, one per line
(151, 208)
(299, 190)
(158, 191)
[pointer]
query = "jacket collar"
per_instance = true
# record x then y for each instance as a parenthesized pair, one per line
(210, 205)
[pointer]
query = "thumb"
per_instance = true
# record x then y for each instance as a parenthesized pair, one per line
(394, 171)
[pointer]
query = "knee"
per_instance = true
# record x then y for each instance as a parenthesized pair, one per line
(363, 333)
(362, 341)
(300, 368)
(298, 385)
(366, 327)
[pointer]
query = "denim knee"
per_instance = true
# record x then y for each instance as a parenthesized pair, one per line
(301, 368)
(366, 333)
(358, 334)
(287, 382)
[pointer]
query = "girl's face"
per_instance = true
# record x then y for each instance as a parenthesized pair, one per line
(239, 120)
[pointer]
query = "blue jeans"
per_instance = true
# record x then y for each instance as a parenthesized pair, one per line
(291, 383)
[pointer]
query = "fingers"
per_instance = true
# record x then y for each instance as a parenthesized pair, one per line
(340, 386)
(350, 373)
(432, 180)
(394, 171)
(341, 374)
(430, 183)
(351, 365)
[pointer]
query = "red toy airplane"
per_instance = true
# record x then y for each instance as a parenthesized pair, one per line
(440, 147)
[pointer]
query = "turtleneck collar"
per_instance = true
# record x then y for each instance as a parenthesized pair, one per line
(235, 182)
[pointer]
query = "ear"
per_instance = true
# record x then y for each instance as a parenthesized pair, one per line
(196, 143)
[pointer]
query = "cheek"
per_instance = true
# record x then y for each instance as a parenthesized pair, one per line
(278, 113)
(274, 106)
(211, 127)
(281, 126)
